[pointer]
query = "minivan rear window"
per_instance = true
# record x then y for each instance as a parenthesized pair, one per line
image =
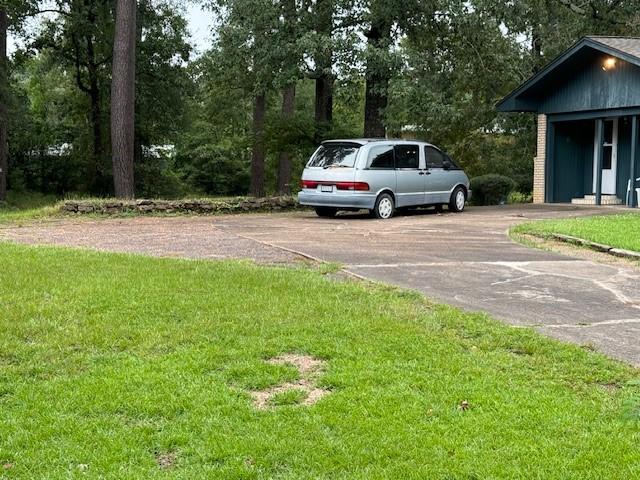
(335, 155)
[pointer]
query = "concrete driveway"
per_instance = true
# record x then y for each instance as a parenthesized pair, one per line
(466, 260)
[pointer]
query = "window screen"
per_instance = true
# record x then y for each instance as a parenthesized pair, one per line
(381, 157)
(434, 157)
(407, 156)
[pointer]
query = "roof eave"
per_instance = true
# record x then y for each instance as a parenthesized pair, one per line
(511, 103)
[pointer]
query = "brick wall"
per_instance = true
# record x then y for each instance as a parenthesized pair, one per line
(539, 161)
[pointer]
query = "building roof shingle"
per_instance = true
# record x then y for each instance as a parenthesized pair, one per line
(628, 45)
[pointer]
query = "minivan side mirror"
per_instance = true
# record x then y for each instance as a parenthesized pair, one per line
(447, 164)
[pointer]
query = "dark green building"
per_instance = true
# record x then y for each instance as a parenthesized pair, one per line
(588, 106)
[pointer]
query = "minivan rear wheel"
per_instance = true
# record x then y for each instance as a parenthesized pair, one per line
(458, 199)
(326, 212)
(385, 206)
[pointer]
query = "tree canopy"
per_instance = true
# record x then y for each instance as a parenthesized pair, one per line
(278, 77)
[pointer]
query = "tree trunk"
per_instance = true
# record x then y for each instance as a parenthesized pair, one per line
(95, 111)
(4, 94)
(536, 50)
(324, 100)
(377, 83)
(323, 76)
(284, 161)
(257, 156)
(375, 104)
(96, 124)
(123, 96)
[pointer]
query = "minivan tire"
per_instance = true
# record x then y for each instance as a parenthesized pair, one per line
(458, 199)
(385, 207)
(326, 212)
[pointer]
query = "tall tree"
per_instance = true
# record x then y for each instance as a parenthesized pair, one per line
(332, 30)
(258, 152)
(384, 23)
(323, 15)
(4, 93)
(249, 37)
(288, 77)
(377, 75)
(284, 157)
(80, 38)
(123, 84)
(12, 13)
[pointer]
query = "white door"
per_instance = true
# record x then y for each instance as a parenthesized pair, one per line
(609, 158)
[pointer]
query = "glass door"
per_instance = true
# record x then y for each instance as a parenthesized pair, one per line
(609, 158)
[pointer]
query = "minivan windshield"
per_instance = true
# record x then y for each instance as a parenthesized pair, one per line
(335, 155)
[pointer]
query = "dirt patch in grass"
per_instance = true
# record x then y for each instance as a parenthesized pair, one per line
(308, 367)
(166, 460)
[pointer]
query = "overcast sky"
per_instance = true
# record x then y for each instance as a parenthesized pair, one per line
(200, 23)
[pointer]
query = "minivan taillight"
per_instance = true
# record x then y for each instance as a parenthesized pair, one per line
(352, 186)
(358, 186)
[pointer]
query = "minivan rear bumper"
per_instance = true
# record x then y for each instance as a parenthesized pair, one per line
(338, 200)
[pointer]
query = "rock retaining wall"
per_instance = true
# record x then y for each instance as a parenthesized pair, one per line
(201, 207)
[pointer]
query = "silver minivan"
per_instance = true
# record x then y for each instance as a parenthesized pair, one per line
(381, 176)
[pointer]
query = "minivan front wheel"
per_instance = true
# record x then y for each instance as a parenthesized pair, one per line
(326, 212)
(385, 206)
(458, 199)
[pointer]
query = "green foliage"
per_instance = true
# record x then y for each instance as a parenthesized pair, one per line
(519, 197)
(620, 231)
(449, 62)
(60, 91)
(214, 169)
(118, 357)
(25, 206)
(491, 189)
(17, 201)
(288, 397)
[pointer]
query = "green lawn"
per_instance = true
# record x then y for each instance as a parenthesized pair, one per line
(620, 231)
(115, 366)
(21, 206)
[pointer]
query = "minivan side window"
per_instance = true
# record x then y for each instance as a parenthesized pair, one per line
(454, 165)
(407, 156)
(434, 157)
(381, 158)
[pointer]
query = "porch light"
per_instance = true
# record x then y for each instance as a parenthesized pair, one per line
(609, 64)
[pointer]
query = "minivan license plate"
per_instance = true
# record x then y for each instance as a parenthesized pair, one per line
(326, 188)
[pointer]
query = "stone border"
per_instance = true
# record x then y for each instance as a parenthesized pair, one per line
(618, 252)
(199, 207)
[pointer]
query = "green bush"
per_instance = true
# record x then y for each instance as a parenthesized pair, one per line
(491, 189)
(519, 197)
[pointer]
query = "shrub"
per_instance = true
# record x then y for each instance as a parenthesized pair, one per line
(519, 197)
(491, 189)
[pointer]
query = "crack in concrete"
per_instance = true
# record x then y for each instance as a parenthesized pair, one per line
(587, 325)
(621, 297)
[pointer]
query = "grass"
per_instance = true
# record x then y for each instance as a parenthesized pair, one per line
(115, 366)
(22, 206)
(620, 231)
(290, 397)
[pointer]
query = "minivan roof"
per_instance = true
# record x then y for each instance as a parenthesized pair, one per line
(364, 141)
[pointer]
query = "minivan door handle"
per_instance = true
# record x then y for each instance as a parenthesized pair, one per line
(425, 172)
